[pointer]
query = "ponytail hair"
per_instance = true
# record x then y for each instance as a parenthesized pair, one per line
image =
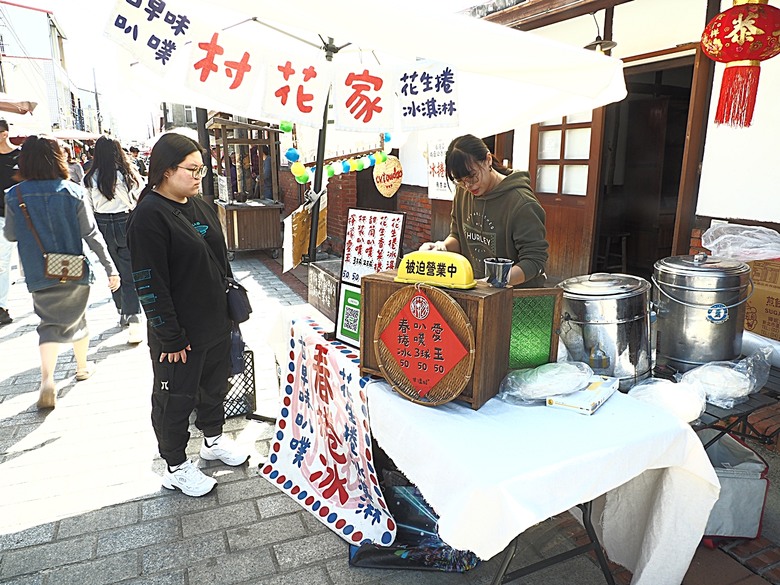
(168, 152)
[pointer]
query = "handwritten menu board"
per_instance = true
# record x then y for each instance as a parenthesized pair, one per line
(372, 244)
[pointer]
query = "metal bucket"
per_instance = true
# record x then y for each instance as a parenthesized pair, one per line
(605, 323)
(700, 306)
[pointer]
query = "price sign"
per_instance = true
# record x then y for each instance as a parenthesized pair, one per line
(425, 344)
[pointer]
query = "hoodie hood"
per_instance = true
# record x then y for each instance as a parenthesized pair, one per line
(518, 180)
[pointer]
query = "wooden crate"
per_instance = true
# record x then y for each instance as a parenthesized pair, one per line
(489, 311)
(252, 225)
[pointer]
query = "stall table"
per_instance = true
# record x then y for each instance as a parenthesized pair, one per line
(493, 473)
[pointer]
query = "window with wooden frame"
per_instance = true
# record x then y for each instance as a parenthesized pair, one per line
(560, 154)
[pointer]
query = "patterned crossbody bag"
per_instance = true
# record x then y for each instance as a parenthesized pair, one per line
(56, 265)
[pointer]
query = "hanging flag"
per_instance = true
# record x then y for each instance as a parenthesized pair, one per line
(428, 96)
(362, 98)
(155, 32)
(225, 66)
(296, 89)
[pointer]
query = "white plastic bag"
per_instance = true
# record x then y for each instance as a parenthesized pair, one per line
(742, 242)
(685, 400)
(730, 383)
(534, 385)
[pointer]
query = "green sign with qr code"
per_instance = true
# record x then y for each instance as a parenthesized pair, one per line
(349, 315)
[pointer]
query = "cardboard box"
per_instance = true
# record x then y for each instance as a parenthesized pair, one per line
(586, 401)
(762, 312)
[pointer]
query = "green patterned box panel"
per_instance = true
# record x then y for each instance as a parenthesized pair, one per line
(533, 319)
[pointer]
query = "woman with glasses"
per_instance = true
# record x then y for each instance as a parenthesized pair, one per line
(494, 214)
(114, 184)
(180, 262)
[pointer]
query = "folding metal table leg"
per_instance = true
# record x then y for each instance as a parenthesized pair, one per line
(502, 576)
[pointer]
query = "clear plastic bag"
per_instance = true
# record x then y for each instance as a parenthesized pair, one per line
(534, 385)
(685, 400)
(742, 242)
(730, 383)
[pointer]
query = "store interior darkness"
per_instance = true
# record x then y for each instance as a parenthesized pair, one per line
(644, 137)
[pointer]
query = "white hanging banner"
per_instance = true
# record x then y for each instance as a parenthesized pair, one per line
(155, 32)
(296, 89)
(225, 66)
(438, 186)
(363, 98)
(428, 96)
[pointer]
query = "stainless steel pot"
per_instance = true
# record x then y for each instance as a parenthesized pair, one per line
(700, 306)
(605, 323)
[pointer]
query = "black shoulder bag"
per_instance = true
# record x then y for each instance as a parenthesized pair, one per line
(238, 306)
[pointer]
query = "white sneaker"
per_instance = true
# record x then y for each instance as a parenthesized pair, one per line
(135, 333)
(226, 450)
(189, 479)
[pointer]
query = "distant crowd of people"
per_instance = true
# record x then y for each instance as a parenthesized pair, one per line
(163, 251)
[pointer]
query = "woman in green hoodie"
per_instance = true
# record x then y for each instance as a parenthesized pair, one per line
(494, 214)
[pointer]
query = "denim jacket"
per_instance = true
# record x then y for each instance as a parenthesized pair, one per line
(63, 222)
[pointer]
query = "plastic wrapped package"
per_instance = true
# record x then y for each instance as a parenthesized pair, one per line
(685, 400)
(534, 385)
(742, 242)
(730, 383)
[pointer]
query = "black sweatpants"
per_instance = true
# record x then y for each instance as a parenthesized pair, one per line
(200, 385)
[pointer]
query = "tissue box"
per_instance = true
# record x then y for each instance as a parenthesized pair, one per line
(588, 400)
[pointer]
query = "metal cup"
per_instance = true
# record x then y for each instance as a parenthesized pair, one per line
(497, 271)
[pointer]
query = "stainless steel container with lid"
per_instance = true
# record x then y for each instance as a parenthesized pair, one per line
(700, 306)
(605, 322)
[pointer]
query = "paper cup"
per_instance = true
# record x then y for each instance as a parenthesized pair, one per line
(497, 271)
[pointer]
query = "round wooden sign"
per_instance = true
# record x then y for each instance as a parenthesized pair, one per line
(388, 176)
(424, 345)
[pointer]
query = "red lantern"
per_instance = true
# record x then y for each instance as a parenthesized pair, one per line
(741, 37)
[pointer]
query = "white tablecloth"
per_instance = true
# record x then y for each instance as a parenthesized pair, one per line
(491, 474)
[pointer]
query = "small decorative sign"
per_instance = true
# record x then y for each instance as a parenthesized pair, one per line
(350, 311)
(388, 176)
(424, 345)
(438, 186)
(372, 244)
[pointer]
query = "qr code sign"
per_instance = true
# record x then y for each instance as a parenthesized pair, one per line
(351, 320)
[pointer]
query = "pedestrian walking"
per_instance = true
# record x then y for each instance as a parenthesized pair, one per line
(179, 261)
(48, 211)
(114, 185)
(9, 155)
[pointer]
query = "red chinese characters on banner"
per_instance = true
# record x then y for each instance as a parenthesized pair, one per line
(360, 104)
(302, 99)
(233, 69)
(422, 343)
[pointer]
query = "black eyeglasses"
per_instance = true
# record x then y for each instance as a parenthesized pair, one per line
(197, 172)
(470, 179)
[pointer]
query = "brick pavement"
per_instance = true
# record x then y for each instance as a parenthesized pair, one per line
(81, 500)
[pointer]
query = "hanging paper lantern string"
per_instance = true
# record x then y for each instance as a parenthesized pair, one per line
(292, 155)
(303, 178)
(297, 169)
(741, 37)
